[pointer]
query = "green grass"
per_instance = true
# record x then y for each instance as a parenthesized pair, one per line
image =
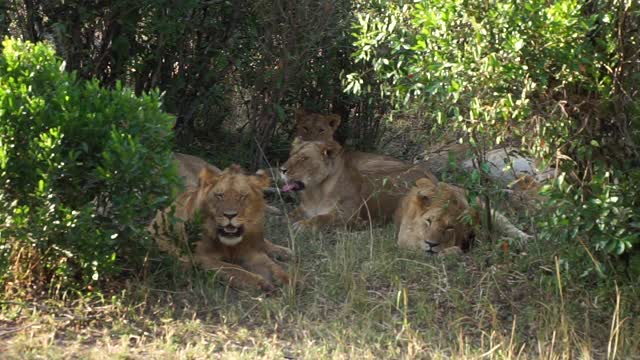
(360, 297)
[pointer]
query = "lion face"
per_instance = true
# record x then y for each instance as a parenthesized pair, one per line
(309, 164)
(316, 127)
(234, 200)
(434, 217)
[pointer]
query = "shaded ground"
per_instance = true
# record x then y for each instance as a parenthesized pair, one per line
(361, 298)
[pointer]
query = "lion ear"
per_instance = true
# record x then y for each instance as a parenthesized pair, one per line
(426, 189)
(334, 121)
(261, 179)
(331, 149)
(207, 177)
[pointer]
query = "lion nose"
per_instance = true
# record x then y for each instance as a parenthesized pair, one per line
(283, 170)
(230, 214)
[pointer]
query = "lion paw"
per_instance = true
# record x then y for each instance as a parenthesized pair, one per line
(267, 287)
(281, 253)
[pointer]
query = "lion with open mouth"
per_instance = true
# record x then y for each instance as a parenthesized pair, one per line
(333, 191)
(231, 208)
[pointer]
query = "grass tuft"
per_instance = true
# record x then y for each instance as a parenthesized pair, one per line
(358, 296)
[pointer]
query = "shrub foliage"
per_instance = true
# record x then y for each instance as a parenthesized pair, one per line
(81, 170)
(556, 77)
(222, 65)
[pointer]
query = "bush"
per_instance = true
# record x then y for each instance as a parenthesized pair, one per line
(559, 77)
(82, 168)
(475, 68)
(605, 211)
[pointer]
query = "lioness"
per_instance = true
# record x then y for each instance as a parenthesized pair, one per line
(437, 217)
(231, 207)
(334, 191)
(318, 127)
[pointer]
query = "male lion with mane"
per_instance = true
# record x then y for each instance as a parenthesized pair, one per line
(333, 190)
(231, 208)
(436, 218)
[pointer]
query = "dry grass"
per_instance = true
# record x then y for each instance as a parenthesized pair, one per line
(361, 298)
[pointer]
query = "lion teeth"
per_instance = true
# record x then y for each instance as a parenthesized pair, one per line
(231, 229)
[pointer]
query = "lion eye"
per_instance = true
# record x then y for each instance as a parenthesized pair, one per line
(243, 197)
(428, 222)
(305, 129)
(219, 196)
(321, 131)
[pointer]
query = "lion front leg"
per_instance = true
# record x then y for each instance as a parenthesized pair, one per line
(276, 251)
(260, 263)
(453, 250)
(236, 275)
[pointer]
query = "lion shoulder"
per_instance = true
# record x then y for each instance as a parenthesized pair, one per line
(374, 164)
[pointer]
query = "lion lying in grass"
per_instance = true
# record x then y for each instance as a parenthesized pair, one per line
(231, 208)
(505, 164)
(318, 127)
(335, 192)
(436, 218)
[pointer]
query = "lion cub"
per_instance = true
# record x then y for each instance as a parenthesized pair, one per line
(231, 207)
(335, 192)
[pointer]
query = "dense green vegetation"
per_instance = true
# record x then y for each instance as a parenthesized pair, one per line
(560, 79)
(243, 64)
(82, 170)
(95, 95)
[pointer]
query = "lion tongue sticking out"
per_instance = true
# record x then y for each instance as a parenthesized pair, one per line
(293, 186)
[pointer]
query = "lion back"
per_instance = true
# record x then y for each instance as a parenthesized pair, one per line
(189, 168)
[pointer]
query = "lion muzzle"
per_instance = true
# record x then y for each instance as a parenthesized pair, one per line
(229, 231)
